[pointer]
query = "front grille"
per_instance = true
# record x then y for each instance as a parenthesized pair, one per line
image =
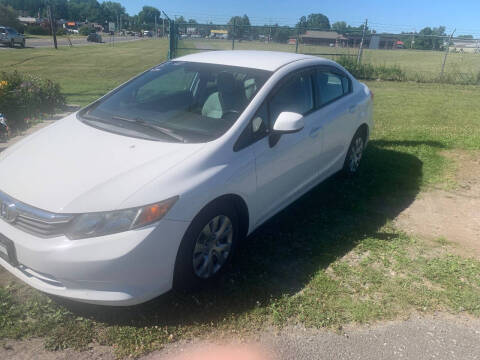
(32, 220)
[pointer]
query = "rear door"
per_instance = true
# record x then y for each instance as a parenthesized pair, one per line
(336, 115)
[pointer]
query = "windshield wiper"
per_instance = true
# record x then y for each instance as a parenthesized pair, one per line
(151, 126)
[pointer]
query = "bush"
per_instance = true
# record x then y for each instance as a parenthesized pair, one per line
(365, 71)
(85, 30)
(37, 30)
(61, 31)
(23, 97)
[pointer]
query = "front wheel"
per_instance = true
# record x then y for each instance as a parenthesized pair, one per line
(23, 44)
(12, 43)
(355, 153)
(206, 247)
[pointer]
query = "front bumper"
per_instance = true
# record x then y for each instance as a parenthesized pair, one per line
(121, 269)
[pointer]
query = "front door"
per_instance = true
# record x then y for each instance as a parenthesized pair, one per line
(285, 165)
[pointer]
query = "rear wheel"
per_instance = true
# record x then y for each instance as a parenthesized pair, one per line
(355, 152)
(12, 43)
(23, 43)
(206, 247)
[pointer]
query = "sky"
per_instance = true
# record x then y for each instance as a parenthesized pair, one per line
(383, 15)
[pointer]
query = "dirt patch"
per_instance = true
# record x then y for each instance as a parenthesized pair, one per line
(451, 215)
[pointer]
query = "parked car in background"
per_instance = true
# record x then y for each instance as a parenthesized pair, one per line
(4, 130)
(147, 33)
(154, 185)
(94, 37)
(9, 36)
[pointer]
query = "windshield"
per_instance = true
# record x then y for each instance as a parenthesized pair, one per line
(178, 101)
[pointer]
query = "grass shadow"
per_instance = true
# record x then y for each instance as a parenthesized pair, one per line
(284, 254)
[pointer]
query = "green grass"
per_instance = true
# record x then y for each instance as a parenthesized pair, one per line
(331, 258)
(418, 64)
(87, 72)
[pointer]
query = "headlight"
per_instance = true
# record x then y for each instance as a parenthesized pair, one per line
(104, 223)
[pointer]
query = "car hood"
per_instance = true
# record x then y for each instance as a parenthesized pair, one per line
(70, 167)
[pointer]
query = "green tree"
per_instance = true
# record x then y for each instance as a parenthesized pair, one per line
(83, 10)
(29, 7)
(281, 34)
(314, 21)
(180, 20)
(241, 29)
(430, 38)
(111, 11)
(8, 17)
(341, 27)
(148, 15)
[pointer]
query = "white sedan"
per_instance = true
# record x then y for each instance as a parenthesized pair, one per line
(153, 186)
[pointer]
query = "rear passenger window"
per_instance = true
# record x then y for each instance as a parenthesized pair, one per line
(294, 96)
(330, 86)
(345, 85)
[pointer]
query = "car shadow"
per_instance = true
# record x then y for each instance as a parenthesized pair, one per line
(283, 255)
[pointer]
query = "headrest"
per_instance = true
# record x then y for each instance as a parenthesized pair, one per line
(225, 82)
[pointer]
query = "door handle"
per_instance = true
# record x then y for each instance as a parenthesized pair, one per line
(352, 108)
(315, 131)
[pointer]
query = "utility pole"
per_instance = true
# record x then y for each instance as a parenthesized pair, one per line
(360, 49)
(52, 25)
(156, 30)
(297, 40)
(446, 52)
(233, 33)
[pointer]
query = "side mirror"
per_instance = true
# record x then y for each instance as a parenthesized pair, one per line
(288, 122)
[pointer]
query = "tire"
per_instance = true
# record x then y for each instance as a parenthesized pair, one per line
(22, 44)
(355, 152)
(12, 43)
(204, 252)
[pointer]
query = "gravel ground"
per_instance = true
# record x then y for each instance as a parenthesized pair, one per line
(438, 337)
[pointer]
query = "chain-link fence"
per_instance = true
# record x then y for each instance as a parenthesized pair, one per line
(420, 57)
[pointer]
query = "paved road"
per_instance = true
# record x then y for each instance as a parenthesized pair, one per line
(441, 337)
(62, 41)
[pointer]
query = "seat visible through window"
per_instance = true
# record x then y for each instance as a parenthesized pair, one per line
(294, 96)
(329, 87)
(230, 97)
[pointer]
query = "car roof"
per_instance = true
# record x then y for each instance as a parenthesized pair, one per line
(264, 60)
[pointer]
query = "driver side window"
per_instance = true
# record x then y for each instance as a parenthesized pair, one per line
(295, 95)
(176, 81)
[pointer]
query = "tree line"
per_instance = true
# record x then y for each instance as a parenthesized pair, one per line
(110, 11)
(84, 11)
